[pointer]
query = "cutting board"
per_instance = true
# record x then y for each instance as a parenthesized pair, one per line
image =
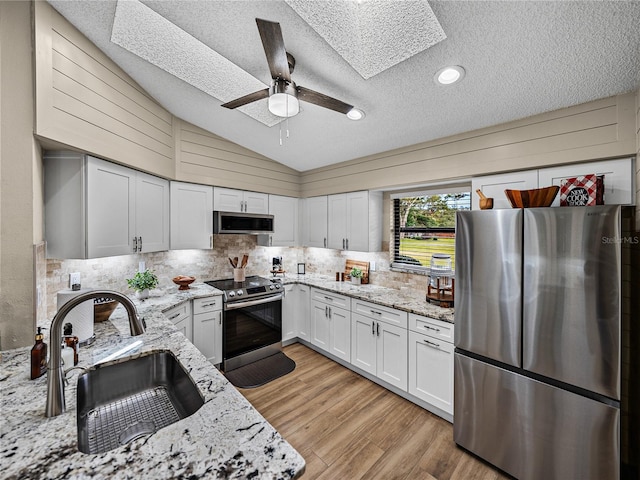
(364, 266)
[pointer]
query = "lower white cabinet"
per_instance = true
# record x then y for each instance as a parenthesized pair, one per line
(431, 369)
(207, 327)
(295, 312)
(181, 317)
(331, 323)
(380, 349)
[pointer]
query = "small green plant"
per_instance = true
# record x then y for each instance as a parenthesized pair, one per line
(356, 272)
(143, 280)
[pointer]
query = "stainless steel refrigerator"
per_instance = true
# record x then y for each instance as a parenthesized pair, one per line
(538, 325)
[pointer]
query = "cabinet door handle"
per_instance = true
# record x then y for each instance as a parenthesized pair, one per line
(343, 243)
(431, 344)
(271, 240)
(378, 329)
(325, 242)
(375, 312)
(329, 312)
(373, 328)
(326, 311)
(211, 241)
(140, 244)
(175, 315)
(209, 304)
(328, 299)
(347, 243)
(135, 244)
(431, 328)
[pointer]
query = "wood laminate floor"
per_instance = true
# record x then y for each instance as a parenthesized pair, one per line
(347, 427)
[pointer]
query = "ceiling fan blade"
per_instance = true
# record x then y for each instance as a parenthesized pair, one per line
(252, 97)
(273, 44)
(323, 100)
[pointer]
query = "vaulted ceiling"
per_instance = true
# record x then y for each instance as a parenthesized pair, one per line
(521, 58)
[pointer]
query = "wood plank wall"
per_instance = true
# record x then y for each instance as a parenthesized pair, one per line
(203, 157)
(86, 101)
(601, 129)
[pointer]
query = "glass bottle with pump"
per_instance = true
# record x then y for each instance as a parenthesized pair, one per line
(71, 341)
(39, 356)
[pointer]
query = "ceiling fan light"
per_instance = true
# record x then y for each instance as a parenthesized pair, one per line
(284, 105)
(355, 114)
(449, 75)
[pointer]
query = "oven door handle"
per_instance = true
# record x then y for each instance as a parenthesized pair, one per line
(251, 303)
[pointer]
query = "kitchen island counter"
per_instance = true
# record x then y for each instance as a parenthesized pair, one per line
(225, 438)
(408, 301)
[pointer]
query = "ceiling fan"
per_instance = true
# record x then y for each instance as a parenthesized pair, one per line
(284, 94)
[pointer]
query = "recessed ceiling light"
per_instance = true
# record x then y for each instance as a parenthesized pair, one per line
(449, 75)
(355, 114)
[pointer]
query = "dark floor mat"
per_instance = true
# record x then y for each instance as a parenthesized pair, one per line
(261, 372)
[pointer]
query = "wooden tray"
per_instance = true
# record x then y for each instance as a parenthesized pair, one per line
(364, 266)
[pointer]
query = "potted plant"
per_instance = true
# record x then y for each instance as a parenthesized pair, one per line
(356, 275)
(142, 282)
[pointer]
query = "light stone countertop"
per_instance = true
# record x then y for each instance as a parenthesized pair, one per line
(225, 438)
(408, 301)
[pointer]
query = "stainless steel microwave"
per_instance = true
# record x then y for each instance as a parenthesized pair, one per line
(248, 223)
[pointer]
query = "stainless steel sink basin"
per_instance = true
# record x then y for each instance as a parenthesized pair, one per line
(121, 402)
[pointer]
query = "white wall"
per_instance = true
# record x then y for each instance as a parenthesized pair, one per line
(20, 176)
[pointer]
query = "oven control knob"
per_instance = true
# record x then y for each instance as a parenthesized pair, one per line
(277, 286)
(239, 293)
(270, 287)
(232, 294)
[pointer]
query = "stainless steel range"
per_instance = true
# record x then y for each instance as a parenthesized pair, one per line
(252, 320)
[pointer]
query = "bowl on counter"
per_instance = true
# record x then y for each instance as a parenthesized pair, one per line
(537, 197)
(184, 281)
(103, 308)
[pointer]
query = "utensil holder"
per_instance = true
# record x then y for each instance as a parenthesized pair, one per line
(238, 274)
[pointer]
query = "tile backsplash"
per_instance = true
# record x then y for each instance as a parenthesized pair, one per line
(111, 273)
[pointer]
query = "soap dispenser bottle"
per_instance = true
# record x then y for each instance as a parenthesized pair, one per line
(71, 341)
(39, 356)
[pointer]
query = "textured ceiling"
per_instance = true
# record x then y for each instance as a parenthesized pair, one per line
(521, 58)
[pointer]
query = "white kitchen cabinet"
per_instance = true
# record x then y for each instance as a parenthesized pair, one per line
(303, 322)
(379, 342)
(431, 368)
(182, 318)
(295, 312)
(285, 220)
(493, 186)
(230, 200)
(95, 208)
(618, 179)
(355, 221)
(315, 222)
(191, 216)
(207, 327)
(331, 323)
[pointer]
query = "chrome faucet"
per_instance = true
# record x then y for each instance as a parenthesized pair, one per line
(55, 375)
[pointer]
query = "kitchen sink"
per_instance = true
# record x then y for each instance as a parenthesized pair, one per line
(122, 402)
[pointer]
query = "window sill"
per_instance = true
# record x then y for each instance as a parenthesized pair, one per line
(408, 269)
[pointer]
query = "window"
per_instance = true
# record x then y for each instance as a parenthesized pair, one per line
(424, 224)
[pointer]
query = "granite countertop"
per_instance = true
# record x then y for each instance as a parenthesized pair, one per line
(408, 301)
(225, 438)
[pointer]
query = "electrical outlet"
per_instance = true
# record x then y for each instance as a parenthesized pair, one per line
(372, 266)
(141, 266)
(74, 279)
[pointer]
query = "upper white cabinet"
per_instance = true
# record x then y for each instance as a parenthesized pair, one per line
(493, 186)
(191, 216)
(618, 181)
(355, 221)
(230, 200)
(95, 208)
(315, 222)
(285, 214)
